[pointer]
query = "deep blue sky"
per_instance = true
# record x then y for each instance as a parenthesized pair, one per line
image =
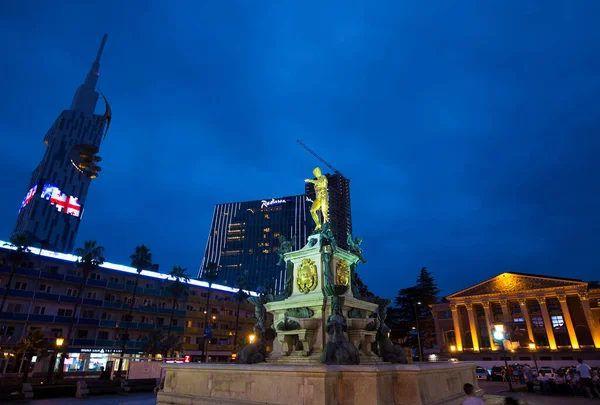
(470, 132)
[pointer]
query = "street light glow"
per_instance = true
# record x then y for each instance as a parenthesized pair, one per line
(60, 341)
(251, 338)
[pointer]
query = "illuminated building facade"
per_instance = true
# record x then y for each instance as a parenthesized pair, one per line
(546, 318)
(43, 293)
(340, 214)
(53, 205)
(243, 239)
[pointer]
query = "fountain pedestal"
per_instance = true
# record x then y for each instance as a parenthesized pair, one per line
(268, 384)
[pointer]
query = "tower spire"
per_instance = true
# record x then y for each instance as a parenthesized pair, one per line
(99, 54)
(86, 96)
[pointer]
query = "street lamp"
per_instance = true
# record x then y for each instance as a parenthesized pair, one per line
(420, 351)
(532, 348)
(251, 338)
(57, 345)
(499, 336)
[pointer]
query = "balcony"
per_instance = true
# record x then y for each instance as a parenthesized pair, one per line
(92, 302)
(62, 319)
(18, 293)
(107, 323)
(46, 296)
(97, 283)
(83, 342)
(88, 321)
(115, 286)
(52, 276)
(73, 279)
(40, 318)
(105, 343)
(12, 316)
(67, 298)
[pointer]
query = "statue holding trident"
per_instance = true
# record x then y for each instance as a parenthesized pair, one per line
(321, 202)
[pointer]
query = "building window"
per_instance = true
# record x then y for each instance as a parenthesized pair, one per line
(187, 339)
(515, 308)
(451, 337)
(92, 295)
(553, 305)
(38, 310)
(64, 312)
(537, 321)
(7, 330)
(82, 334)
(534, 307)
(44, 288)
(14, 307)
(71, 292)
(518, 320)
(114, 280)
(558, 322)
(88, 314)
(103, 335)
(106, 316)
(20, 285)
(188, 324)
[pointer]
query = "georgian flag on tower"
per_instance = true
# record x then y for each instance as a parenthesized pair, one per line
(28, 197)
(64, 203)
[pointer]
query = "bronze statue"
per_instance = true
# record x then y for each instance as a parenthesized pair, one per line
(354, 247)
(285, 246)
(321, 202)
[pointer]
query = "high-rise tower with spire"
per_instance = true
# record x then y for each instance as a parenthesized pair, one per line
(53, 207)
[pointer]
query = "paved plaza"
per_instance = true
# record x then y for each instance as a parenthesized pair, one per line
(496, 391)
(133, 399)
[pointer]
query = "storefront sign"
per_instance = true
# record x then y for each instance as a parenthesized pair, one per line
(273, 201)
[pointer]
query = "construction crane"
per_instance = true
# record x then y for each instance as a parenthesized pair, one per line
(326, 163)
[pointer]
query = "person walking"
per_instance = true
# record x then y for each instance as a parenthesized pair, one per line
(585, 374)
(528, 374)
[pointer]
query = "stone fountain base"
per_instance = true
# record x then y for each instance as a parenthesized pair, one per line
(234, 384)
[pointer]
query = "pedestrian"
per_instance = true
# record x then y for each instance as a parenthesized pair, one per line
(585, 374)
(528, 374)
(469, 389)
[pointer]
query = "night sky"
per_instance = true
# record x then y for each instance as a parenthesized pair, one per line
(470, 132)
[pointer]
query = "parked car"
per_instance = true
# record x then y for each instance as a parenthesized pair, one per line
(496, 374)
(548, 371)
(482, 373)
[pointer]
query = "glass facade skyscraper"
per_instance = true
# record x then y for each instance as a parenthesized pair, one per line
(243, 239)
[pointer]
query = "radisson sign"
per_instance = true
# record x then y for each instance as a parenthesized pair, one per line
(267, 203)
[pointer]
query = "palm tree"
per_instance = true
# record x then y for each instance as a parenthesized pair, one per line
(30, 345)
(154, 344)
(240, 296)
(209, 275)
(91, 257)
(141, 259)
(177, 288)
(20, 243)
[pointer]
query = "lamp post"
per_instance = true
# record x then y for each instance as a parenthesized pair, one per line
(500, 337)
(532, 348)
(57, 345)
(420, 350)
(251, 338)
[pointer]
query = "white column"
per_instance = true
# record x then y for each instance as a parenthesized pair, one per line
(547, 323)
(490, 324)
(525, 312)
(457, 328)
(473, 325)
(585, 304)
(568, 321)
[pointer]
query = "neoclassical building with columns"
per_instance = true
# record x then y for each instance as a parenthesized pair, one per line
(556, 318)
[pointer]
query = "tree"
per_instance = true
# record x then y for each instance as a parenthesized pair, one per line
(177, 289)
(91, 256)
(209, 275)
(141, 259)
(31, 344)
(19, 242)
(412, 304)
(239, 297)
(154, 345)
(362, 287)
